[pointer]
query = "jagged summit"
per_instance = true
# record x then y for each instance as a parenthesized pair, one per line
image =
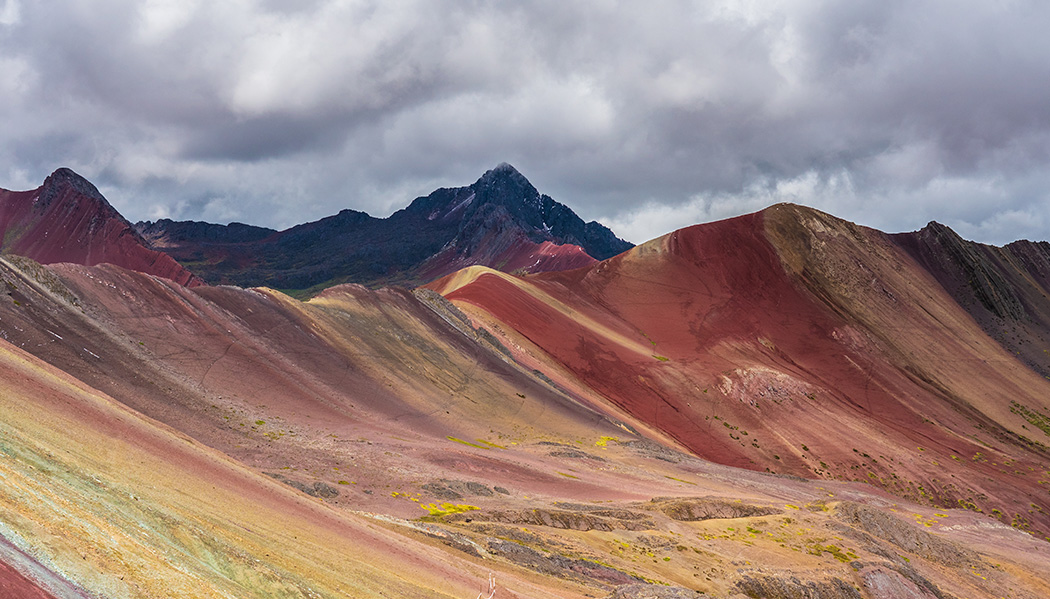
(1004, 289)
(503, 169)
(541, 217)
(507, 177)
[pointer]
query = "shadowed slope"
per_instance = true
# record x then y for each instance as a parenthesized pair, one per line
(790, 341)
(67, 220)
(1005, 289)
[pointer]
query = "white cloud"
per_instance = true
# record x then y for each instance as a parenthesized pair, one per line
(11, 13)
(654, 219)
(977, 208)
(160, 19)
(17, 79)
(648, 116)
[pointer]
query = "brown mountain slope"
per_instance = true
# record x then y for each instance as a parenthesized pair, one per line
(67, 220)
(794, 342)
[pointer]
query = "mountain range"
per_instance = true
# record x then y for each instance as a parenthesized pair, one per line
(500, 221)
(780, 405)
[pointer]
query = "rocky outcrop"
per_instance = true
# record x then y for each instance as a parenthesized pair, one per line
(904, 536)
(693, 510)
(954, 261)
(603, 520)
(319, 489)
(457, 489)
(653, 591)
(558, 565)
(790, 587)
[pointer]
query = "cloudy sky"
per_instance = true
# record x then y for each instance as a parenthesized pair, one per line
(646, 116)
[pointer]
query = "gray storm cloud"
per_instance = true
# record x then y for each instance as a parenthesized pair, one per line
(647, 117)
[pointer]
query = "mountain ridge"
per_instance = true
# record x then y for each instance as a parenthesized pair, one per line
(1005, 289)
(501, 220)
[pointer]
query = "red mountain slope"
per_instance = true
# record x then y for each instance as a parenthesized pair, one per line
(67, 220)
(794, 342)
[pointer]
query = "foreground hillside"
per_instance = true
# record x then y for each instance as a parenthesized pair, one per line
(111, 503)
(158, 440)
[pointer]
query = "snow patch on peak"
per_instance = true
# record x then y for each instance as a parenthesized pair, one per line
(459, 206)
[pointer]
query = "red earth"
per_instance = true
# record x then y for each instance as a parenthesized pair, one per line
(508, 251)
(14, 585)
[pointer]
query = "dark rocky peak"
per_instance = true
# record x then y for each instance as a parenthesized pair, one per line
(505, 185)
(936, 230)
(64, 181)
(502, 186)
(539, 216)
(76, 195)
(482, 223)
(1035, 258)
(944, 238)
(66, 176)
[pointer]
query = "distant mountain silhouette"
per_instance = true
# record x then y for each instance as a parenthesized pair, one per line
(500, 221)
